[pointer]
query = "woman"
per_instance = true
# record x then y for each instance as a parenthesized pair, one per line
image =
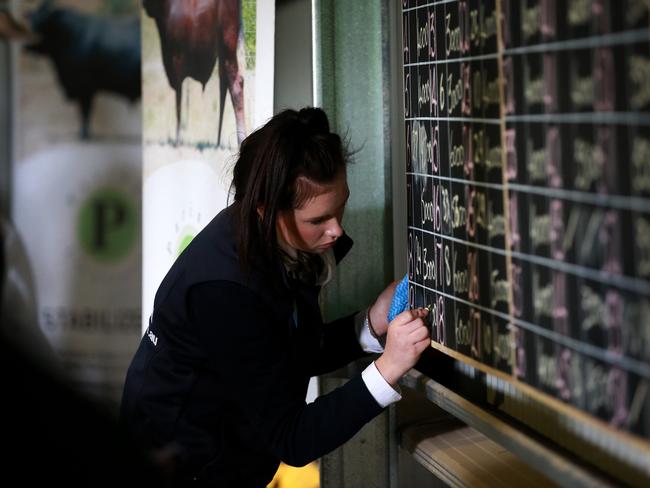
(221, 374)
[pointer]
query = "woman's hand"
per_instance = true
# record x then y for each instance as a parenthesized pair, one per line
(378, 312)
(408, 337)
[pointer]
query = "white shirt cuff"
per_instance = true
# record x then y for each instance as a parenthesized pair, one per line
(383, 393)
(366, 340)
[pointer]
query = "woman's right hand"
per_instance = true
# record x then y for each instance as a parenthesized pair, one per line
(408, 336)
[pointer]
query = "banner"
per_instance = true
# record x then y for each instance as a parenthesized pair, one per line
(207, 82)
(77, 183)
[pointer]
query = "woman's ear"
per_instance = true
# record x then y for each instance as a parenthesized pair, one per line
(260, 211)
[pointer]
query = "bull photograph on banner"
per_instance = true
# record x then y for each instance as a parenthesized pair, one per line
(207, 74)
(77, 180)
(193, 37)
(127, 115)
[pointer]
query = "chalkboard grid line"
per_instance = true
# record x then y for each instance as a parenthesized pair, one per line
(595, 118)
(627, 283)
(603, 40)
(474, 120)
(616, 202)
(481, 184)
(591, 118)
(622, 362)
(504, 175)
(607, 40)
(478, 57)
(430, 4)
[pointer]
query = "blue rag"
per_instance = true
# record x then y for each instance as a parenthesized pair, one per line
(400, 299)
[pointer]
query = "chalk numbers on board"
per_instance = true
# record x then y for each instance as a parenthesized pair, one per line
(528, 183)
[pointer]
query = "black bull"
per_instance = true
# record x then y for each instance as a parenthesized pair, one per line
(90, 54)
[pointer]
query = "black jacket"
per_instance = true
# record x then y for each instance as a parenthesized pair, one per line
(221, 373)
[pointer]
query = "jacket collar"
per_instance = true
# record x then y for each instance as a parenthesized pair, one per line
(293, 260)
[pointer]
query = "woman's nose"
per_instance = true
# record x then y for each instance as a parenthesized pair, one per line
(334, 229)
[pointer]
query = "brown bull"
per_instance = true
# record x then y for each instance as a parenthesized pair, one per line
(193, 35)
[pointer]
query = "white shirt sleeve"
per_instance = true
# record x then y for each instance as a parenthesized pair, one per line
(366, 340)
(379, 388)
(383, 393)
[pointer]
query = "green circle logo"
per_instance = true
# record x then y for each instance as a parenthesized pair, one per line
(108, 225)
(184, 242)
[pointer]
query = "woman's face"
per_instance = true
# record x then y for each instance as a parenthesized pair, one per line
(316, 225)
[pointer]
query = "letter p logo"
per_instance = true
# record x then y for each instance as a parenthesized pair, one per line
(107, 225)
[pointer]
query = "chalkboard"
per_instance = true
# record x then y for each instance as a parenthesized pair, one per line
(527, 130)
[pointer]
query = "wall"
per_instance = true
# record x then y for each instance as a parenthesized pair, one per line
(352, 86)
(5, 125)
(293, 60)
(352, 83)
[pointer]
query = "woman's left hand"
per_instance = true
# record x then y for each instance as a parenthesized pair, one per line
(378, 312)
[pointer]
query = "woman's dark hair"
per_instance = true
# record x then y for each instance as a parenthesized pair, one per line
(281, 166)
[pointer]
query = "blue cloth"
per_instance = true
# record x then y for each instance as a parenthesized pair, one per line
(400, 299)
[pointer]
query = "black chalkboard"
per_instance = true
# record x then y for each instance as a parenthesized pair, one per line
(527, 130)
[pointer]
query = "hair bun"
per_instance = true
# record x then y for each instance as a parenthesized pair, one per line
(315, 119)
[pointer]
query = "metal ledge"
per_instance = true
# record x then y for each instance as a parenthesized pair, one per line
(460, 456)
(553, 462)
